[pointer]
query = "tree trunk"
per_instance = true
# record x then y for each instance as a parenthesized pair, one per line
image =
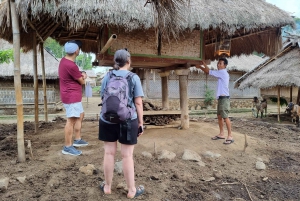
(17, 81)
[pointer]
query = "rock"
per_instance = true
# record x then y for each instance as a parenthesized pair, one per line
(147, 154)
(209, 154)
(122, 186)
(167, 155)
(118, 167)
(21, 179)
(265, 178)
(87, 170)
(4, 184)
(209, 179)
(201, 164)
(260, 165)
(218, 174)
(190, 155)
(194, 120)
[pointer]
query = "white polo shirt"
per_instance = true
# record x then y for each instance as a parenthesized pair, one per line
(223, 82)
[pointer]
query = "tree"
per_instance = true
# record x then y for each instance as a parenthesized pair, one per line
(54, 47)
(84, 60)
(6, 56)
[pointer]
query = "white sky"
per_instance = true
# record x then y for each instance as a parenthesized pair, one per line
(291, 6)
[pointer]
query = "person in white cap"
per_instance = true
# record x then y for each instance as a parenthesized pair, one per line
(70, 82)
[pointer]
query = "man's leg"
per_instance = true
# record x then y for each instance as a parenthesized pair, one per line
(221, 126)
(128, 168)
(69, 128)
(77, 127)
(110, 149)
(228, 125)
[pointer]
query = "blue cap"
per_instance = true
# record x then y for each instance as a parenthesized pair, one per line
(71, 47)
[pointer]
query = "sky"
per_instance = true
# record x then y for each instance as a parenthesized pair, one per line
(291, 6)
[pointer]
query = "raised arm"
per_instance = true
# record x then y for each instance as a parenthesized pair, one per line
(205, 69)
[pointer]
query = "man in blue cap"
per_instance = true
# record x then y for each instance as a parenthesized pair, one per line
(71, 81)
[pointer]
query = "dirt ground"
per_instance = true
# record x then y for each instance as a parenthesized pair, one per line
(50, 175)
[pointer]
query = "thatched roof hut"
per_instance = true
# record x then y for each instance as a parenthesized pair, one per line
(281, 70)
(251, 25)
(51, 65)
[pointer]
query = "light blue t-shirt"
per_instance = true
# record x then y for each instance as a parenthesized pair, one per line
(137, 88)
(223, 82)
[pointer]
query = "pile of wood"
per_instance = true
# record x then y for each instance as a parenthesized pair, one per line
(160, 119)
(149, 106)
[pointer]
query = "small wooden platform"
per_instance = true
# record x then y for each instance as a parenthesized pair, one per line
(161, 112)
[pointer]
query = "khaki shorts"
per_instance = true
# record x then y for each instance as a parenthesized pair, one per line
(223, 107)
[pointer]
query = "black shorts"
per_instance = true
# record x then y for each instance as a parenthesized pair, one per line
(126, 132)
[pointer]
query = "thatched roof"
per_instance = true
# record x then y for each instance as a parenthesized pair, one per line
(77, 19)
(244, 63)
(280, 70)
(26, 65)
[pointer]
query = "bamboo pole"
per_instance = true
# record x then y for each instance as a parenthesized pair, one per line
(44, 82)
(35, 84)
(291, 94)
(17, 81)
(108, 43)
(278, 102)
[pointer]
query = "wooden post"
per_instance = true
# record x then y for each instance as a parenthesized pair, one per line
(147, 85)
(298, 97)
(17, 81)
(291, 94)
(183, 86)
(44, 82)
(164, 89)
(278, 102)
(35, 84)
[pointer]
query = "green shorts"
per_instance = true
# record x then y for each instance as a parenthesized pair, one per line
(223, 107)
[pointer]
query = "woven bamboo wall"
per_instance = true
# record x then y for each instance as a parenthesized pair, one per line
(185, 46)
(137, 42)
(145, 42)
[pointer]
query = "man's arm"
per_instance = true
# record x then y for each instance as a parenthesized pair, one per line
(81, 80)
(205, 69)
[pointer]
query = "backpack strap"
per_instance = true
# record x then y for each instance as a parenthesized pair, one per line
(129, 77)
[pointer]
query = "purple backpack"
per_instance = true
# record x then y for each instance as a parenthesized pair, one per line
(116, 105)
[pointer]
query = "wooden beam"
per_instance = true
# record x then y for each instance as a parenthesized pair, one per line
(35, 84)
(51, 30)
(44, 82)
(86, 32)
(31, 25)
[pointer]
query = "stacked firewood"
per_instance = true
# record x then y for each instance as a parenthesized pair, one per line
(149, 106)
(158, 120)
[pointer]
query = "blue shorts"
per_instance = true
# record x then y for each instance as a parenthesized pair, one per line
(73, 109)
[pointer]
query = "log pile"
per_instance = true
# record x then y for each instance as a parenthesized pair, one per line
(158, 120)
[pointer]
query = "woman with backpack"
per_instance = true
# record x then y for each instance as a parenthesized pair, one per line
(121, 119)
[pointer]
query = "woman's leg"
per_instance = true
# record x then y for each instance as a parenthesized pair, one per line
(110, 149)
(128, 168)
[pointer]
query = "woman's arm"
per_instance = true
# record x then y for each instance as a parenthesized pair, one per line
(139, 109)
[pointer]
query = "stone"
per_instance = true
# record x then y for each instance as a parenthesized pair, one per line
(122, 185)
(4, 184)
(21, 179)
(167, 155)
(190, 155)
(209, 154)
(88, 169)
(147, 154)
(260, 165)
(118, 167)
(218, 174)
(201, 164)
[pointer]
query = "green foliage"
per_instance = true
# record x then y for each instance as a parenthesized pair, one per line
(6, 56)
(282, 101)
(85, 61)
(54, 47)
(208, 96)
